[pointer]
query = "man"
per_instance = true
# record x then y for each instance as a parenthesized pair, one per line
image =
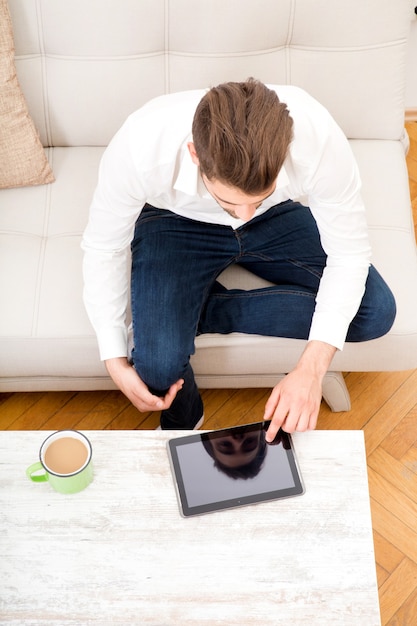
(197, 181)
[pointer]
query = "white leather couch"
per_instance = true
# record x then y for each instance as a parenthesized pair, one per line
(85, 65)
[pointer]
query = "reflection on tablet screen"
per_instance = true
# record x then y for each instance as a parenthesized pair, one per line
(232, 467)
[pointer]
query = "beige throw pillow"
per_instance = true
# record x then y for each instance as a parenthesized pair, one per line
(22, 158)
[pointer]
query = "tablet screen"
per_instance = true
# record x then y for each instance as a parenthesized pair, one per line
(233, 467)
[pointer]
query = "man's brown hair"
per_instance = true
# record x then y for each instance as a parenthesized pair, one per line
(241, 133)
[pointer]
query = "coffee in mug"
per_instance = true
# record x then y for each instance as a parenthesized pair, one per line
(65, 461)
(65, 455)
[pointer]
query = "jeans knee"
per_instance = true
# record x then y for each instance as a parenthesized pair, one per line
(380, 323)
(158, 373)
(377, 312)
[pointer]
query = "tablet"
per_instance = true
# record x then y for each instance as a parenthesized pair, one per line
(233, 467)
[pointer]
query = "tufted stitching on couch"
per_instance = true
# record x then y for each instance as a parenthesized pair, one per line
(45, 95)
(167, 59)
(290, 32)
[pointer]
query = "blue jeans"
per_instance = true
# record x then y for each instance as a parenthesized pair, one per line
(175, 294)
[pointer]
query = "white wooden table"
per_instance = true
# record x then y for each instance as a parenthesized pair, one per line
(119, 552)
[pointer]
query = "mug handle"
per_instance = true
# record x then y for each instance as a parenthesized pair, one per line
(35, 467)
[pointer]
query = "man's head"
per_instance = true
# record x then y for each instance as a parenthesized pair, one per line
(241, 134)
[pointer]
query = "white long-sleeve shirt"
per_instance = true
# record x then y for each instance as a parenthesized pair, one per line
(148, 161)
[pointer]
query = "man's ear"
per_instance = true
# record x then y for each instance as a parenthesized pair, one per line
(193, 153)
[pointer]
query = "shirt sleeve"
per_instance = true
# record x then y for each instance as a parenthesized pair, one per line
(334, 193)
(116, 204)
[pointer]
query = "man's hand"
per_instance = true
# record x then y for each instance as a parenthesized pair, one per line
(127, 380)
(294, 403)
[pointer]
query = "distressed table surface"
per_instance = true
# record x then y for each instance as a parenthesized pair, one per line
(120, 553)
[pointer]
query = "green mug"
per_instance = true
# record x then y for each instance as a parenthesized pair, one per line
(65, 461)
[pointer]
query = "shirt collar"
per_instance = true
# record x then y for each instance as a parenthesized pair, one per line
(188, 178)
(190, 182)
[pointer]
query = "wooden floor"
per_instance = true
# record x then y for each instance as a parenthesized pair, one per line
(384, 405)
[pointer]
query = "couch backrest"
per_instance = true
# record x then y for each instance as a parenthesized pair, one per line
(84, 65)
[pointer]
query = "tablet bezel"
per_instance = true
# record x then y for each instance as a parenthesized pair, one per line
(278, 494)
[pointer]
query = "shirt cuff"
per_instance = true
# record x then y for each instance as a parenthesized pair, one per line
(329, 327)
(112, 343)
